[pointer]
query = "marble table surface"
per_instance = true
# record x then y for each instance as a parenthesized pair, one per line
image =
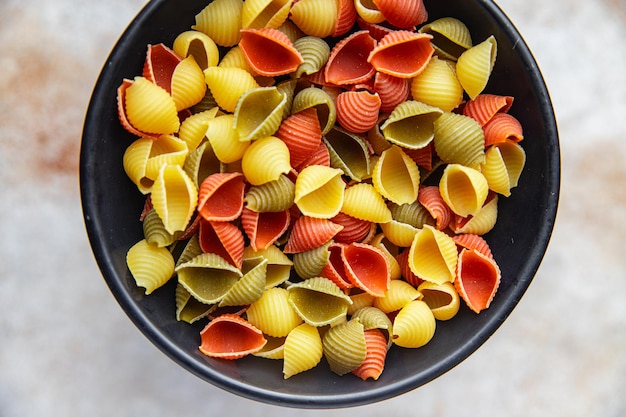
(67, 349)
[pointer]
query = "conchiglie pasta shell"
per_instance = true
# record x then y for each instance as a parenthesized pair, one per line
(399, 233)
(414, 214)
(259, 113)
(273, 196)
(348, 152)
(265, 13)
(319, 301)
(273, 349)
(367, 10)
(309, 264)
(221, 196)
(207, 277)
(230, 337)
(347, 62)
(273, 314)
(354, 230)
(390, 250)
(451, 37)
(188, 309)
(221, 21)
(391, 90)
(309, 233)
(314, 52)
(315, 17)
(366, 268)
(396, 177)
(265, 160)
(224, 139)
(430, 198)
(360, 300)
(263, 229)
(346, 17)
(503, 127)
(250, 286)
(154, 230)
(411, 124)
(402, 53)
(201, 163)
(414, 326)
(223, 239)
(227, 84)
(165, 150)
(193, 128)
(150, 265)
(319, 191)
(278, 264)
(485, 106)
(188, 85)
(474, 66)
(443, 299)
(269, 51)
(174, 197)
(344, 346)
(514, 158)
(399, 294)
(463, 189)
(376, 353)
(303, 350)
(321, 101)
(404, 14)
(357, 111)
(150, 108)
(302, 134)
(159, 65)
(335, 268)
(433, 256)
(234, 58)
(481, 223)
(459, 140)
(473, 241)
(373, 318)
(364, 202)
(199, 45)
(135, 160)
(438, 85)
(478, 279)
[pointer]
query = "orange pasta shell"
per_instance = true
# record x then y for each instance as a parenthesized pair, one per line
(309, 233)
(485, 106)
(230, 336)
(302, 134)
(347, 63)
(357, 111)
(402, 53)
(269, 51)
(502, 127)
(430, 197)
(404, 14)
(376, 353)
(220, 197)
(223, 239)
(263, 229)
(477, 279)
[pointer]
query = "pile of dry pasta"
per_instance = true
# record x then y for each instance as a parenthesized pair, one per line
(328, 168)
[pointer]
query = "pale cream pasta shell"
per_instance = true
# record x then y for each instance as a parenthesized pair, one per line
(438, 85)
(221, 21)
(199, 45)
(174, 197)
(396, 176)
(227, 84)
(273, 314)
(303, 350)
(433, 256)
(319, 191)
(474, 66)
(150, 265)
(414, 326)
(459, 140)
(463, 189)
(315, 17)
(265, 160)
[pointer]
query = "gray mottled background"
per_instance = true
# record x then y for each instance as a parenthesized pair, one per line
(66, 348)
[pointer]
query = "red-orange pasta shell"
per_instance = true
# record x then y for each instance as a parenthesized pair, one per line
(404, 14)
(367, 267)
(501, 127)
(354, 230)
(346, 16)
(405, 271)
(309, 233)
(263, 229)
(477, 279)
(473, 241)
(335, 269)
(223, 239)
(423, 157)
(347, 63)
(230, 336)
(392, 90)
(220, 197)
(302, 134)
(430, 197)
(159, 65)
(376, 31)
(269, 51)
(357, 111)
(376, 353)
(485, 106)
(320, 156)
(402, 53)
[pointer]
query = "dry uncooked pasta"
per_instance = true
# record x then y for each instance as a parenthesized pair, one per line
(330, 180)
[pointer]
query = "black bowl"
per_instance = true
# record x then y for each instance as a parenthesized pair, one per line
(111, 205)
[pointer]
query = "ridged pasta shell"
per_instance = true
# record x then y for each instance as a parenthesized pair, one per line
(250, 286)
(230, 337)
(269, 51)
(188, 309)
(357, 111)
(335, 269)
(151, 266)
(414, 325)
(314, 52)
(459, 140)
(315, 17)
(399, 294)
(319, 301)
(234, 58)
(309, 233)
(259, 113)
(273, 349)
(135, 162)
(473, 241)
(191, 250)
(503, 127)
(201, 163)
(344, 346)
(259, 14)
(154, 230)
(485, 106)
(430, 198)
(224, 139)
(302, 134)
(423, 157)
(221, 20)
(451, 37)
(149, 108)
(309, 264)
(481, 223)
(193, 129)
(322, 102)
(346, 17)
(463, 189)
(396, 176)
(405, 270)
(474, 66)
(273, 196)
(347, 63)
(319, 157)
(273, 314)
(174, 197)
(220, 197)
(404, 14)
(373, 318)
(278, 264)
(319, 191)
(265, 160)
(368, 12)
(364, 202)
(227, 84)
(402, 53)
(223, 239)
(391, 90)
(354, 230)
(199, 45)
(264, 228)
(159, 65)
(366, 268)
(399, 233)
(348, 152)
(438, 85)
(477, 280)
(360, 299)
(207, 277)
(415, 214)
(188, 84)
(433, 256)
(503, 174)
(375, 355)
(303, 350)
(411, 124)
(443, 299)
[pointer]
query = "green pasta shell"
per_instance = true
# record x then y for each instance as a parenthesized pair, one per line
(188, 309)
(273, 196)
(344, 346)
(374, 318)
(155, 232)
(250, 287)
(319, 301)
(259, 113)
(191, 250)
(309, 264)
(411, 124)
(459, 140)
(348, 152)
(278, 264)
(208, 277)
(201, 163)
(451, 37)
(319, 99)
(314, 52)
(414, 214)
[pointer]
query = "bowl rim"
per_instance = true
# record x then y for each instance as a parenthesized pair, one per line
(174, 352)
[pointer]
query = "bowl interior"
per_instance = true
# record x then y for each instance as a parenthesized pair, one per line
(112, 205)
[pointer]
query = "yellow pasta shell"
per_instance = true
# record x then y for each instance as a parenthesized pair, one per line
(503, 166)
(303, 350)
(443, 299)
(399, 294)
(367, 10)
(259, 14)
(228, 84)
(224, 139)
(438, 85)
(135, 160)
(273, 314)
(463, 189)
(474, 66)
(315, 17)
(319, 191)
(451, 37)
(193, 128)
(165, 150)
(360, 300)
(459, 140)
(150, 109)
(265, 160)
(278, 264)
(365, 203)
(150, 265)
(188, 85)
(482, 222)
(414, 325)
(235, 58)
(433, 256)
(199, 45)
(396, 176)
(398, 233)
(221, 21)
(174, 197)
